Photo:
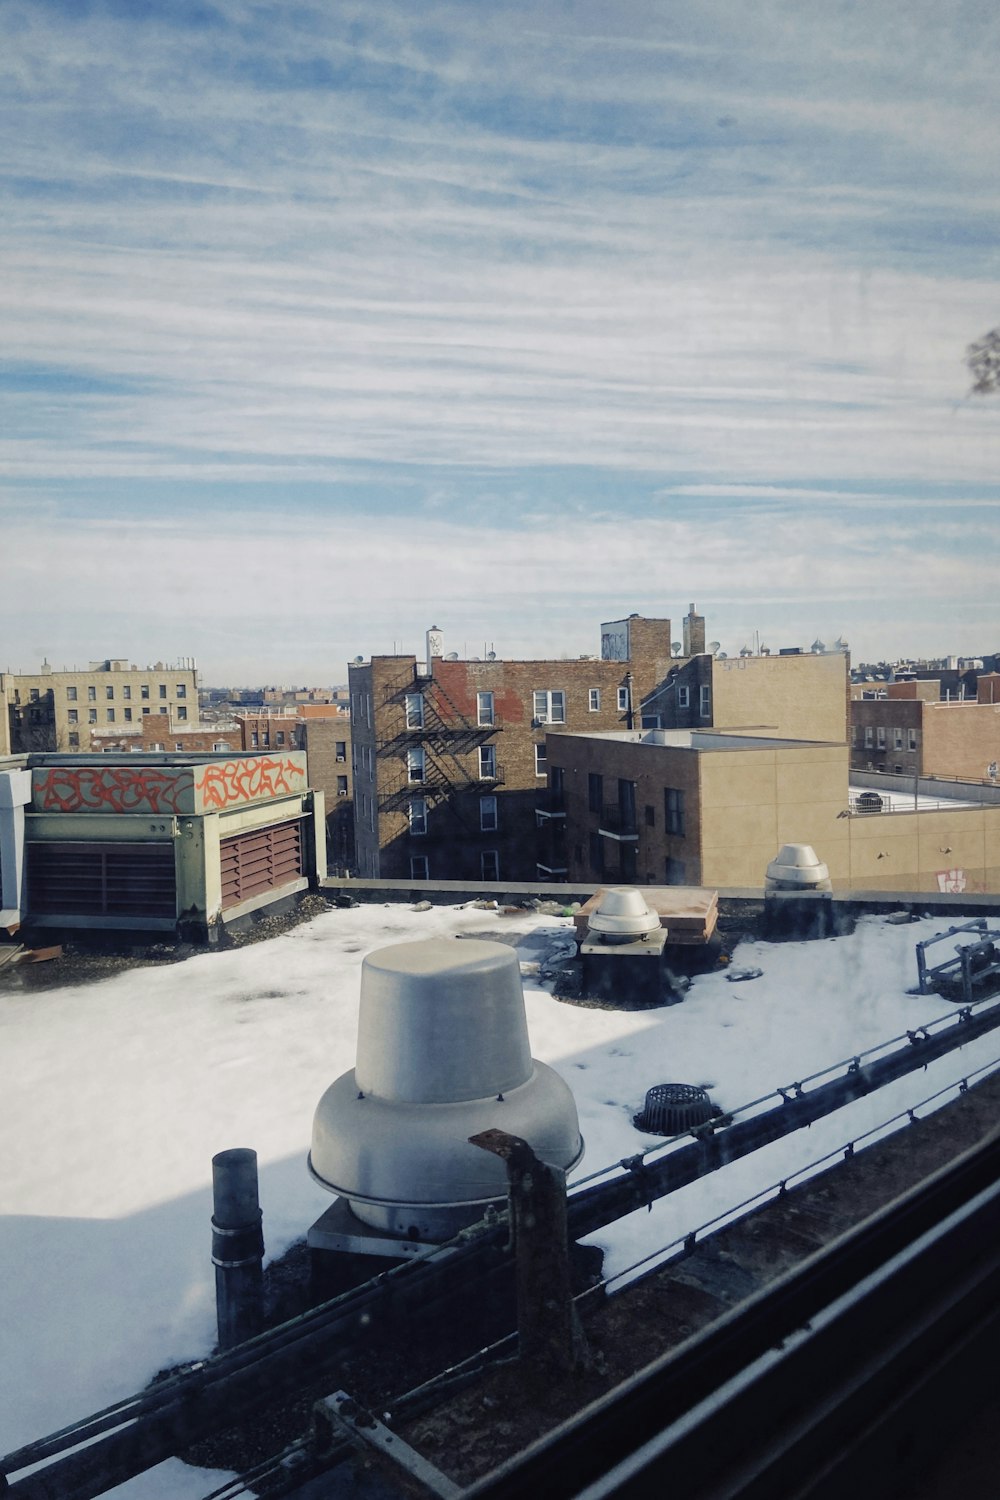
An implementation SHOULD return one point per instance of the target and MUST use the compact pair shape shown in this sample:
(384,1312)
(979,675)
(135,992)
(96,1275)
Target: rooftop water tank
(443,1054)
(796,868)
(622,917)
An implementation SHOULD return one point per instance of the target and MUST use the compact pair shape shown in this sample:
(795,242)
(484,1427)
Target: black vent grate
(673,1108)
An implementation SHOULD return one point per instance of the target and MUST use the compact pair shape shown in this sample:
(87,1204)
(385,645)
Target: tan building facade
(713,809)
(51,710)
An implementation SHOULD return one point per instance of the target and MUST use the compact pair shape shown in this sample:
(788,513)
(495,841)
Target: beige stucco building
(708,808)
(50,710)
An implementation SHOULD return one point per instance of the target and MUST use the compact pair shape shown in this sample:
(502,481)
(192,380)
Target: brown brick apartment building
(911,732)
(450,756)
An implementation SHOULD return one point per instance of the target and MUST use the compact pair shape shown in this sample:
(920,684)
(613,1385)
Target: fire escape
(427,752)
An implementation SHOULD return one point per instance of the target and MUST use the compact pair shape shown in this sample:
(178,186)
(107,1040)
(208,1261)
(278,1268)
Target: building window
(484,709)
(73,716)
(911,739)
(163,689)
(178,745)
(897,739)
(91,715)
(487,763)
(111,716)
(182,713)
(144,690)
(674,871)
(74,741)
(623,700)
(417,814)
(706,701)
(415,764)
(869,737)
(341,749)
(254,738)
(488,814)
(341,786)
(854,735)
(414,710)
(596,852)
(33,695)
(182,691)
(126,692)
(673,810)
(650,816)
(541,760)
(221,745)
(128,716)
(549,708)
(71,694)
(419,867)
(489,865)
(594,700)
(109,692)
(683,697)
(156,747)
(145,710)
(91,694)
(880,737)
(595,792)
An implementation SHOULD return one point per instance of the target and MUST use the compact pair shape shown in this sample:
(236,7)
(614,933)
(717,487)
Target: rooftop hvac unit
(443,1054)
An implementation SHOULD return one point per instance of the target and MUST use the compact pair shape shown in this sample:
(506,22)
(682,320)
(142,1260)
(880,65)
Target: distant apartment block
(908,730)
(65,710)
(451,756)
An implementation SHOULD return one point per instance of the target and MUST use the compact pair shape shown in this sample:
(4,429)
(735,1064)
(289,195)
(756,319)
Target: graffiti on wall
(247,780)
(112,789)
(951,882)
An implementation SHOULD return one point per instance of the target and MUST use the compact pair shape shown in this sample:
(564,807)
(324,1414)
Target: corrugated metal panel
(259,861)
(98,879)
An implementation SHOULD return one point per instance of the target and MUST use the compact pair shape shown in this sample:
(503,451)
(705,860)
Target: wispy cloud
(704,267)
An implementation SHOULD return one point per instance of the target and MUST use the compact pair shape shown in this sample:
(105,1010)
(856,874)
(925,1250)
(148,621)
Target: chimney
(435,647)
(694,633)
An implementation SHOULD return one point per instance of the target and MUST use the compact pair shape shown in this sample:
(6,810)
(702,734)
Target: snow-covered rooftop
(117,1094)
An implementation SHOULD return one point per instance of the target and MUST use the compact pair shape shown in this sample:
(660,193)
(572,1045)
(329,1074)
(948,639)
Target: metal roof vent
(443,1054)
(673,1108)
(796,868)
(622,917)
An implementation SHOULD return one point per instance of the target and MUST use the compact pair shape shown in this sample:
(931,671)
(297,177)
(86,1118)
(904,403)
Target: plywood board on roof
(688,912)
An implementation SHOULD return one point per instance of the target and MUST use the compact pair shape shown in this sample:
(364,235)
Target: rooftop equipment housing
(443,1054)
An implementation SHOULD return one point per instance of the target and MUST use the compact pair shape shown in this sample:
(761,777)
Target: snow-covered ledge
(15,794)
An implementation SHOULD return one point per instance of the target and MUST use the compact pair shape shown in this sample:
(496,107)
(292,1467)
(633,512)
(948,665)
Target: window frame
(543,710)
(486,824)
(417,820)
(485,711)
(594,700)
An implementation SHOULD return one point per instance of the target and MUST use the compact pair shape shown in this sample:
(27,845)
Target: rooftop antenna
(713,647)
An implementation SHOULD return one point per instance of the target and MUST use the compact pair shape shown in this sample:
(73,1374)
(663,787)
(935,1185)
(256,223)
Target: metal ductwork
(443,1054)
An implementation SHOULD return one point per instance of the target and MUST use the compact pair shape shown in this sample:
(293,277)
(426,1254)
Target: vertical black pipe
(237,1246)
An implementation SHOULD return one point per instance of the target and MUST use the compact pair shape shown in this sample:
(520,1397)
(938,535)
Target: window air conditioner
(541,718)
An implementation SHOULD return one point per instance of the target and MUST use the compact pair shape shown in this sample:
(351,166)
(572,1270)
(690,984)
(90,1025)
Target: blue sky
(325,324)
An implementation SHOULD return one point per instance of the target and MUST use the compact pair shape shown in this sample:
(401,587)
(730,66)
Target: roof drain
(673,1108)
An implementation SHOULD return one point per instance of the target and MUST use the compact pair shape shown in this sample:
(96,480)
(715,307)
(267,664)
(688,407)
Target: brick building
(51,710)
(450,763)
(449,755)
(909,731)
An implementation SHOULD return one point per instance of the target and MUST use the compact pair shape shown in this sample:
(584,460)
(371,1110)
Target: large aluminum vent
(442,1054)
(622,917)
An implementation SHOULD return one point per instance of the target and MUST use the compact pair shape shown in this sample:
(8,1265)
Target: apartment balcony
(549,804)
(619,823)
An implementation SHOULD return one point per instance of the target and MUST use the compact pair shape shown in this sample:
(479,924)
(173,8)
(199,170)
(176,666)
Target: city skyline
(323,328)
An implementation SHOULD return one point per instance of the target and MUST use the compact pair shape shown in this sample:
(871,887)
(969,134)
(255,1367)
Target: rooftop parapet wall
(214,785)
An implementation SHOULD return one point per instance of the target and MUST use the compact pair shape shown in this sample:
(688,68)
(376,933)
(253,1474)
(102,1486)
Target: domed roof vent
(797,868)
(622,917)
(443,1054)
(673,1108)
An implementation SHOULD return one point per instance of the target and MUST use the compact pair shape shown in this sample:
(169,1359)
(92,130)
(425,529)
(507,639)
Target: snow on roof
(117,1094)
